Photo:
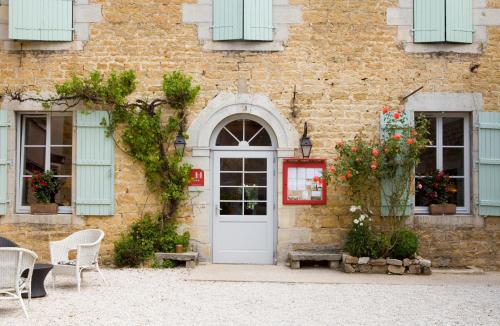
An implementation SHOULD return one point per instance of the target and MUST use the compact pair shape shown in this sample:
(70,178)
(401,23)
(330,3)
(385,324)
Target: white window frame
(20,143)
(461,210)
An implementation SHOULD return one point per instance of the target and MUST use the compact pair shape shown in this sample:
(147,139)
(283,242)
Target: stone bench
(333,257)
(191,258)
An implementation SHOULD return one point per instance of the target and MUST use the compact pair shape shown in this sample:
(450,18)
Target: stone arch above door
(225,105)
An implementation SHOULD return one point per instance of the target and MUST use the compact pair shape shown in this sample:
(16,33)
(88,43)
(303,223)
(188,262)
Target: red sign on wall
(197,178)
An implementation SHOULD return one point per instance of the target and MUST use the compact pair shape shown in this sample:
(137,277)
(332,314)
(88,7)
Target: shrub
(147,236)
(380,246)
(404,243)
(359,241)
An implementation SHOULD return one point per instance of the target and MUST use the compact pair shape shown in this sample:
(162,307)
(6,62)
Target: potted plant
(45,187)
(436,189)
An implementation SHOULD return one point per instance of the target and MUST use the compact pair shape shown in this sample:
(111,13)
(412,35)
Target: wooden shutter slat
(227,20)
(258,20)
(459,26)
(94,166)
(4,125)
(429,21)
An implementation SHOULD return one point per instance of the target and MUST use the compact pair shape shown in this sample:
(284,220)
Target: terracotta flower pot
(44,209)
(179,249)
(443,209)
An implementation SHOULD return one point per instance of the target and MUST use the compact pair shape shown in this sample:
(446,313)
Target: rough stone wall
(345,63)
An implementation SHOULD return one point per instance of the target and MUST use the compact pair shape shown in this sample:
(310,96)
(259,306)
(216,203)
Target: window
(35,20)
(442,21)
(243,133)
(449,151)
(45,142)
(249,20)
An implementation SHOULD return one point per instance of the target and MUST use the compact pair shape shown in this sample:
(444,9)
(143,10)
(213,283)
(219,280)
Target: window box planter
(44,209)
(443,209)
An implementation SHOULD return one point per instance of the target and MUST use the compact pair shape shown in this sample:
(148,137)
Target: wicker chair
(87,244)
(13,261)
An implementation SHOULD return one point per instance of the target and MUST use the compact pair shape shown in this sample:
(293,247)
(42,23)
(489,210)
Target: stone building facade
(332,64)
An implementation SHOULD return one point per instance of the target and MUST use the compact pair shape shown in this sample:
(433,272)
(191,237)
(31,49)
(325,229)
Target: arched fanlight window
(243,133)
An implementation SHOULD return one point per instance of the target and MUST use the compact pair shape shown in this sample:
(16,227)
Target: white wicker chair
(87,244)
(13,261)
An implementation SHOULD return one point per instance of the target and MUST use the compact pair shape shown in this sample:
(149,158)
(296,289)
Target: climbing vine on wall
(146,127)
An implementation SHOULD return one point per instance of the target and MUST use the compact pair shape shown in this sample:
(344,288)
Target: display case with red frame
(303,182)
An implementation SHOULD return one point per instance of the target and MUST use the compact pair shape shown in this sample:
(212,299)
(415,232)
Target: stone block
(378,269)
(347,259)
(414,269)
(424,262)
(399,270)
(407,262)
(363,260)
(295,264)
(426,270)
(394,262)
(349,268)
(378,262)
(364,268)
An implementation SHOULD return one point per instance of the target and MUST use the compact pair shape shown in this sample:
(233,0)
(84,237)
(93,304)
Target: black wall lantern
(180,143)
(305,143)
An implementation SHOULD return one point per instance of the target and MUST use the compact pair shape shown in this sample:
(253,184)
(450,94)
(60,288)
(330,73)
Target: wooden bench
(333,257)
(191,258)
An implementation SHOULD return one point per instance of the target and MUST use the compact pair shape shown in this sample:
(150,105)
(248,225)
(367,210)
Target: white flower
(361,224)
(362,217)
(352,209)
(356,221)
(370,219)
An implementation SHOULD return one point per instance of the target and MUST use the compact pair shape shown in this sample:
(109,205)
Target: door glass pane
(255,208)
(231,179)
(255,193)
(420,194)
(262,139)
(35,133)
(28,195)
(225,139)
(232,193)
(231,208)
(256,164)
(427,162)
(34,160)
(61,130)
(251,128)
(255,179)
(456,192)
(61,160)
(231,164)
(236,128)
(453,161)
(432,129)
(63,197)
(453,131)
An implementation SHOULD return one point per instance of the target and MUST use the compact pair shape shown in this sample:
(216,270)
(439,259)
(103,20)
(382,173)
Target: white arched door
(244,201)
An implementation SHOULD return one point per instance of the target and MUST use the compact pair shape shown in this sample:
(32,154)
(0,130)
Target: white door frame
(272,190)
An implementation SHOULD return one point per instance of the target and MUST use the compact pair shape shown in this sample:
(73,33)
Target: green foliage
(45,186)
(147,236)
(404,243)
(380,246)
(167,263)
(359,241)
(178,90)
(436,188)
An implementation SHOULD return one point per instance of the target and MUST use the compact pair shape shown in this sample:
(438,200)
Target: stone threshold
(468,270)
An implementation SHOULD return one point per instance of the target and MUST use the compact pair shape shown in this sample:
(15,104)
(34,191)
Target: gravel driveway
(165,297)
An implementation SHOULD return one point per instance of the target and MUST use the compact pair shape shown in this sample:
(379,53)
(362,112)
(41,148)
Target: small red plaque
(197,178)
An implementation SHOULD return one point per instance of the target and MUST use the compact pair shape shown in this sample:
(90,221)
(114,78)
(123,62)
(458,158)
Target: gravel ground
(165,297)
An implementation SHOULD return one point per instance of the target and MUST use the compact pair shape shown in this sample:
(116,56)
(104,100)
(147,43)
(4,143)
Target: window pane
(251,128)
(231,164)
(420,196)
(453,161)
(225,139)
(231,208)
(34,160)
(255,179)
(457,190)
(63,197)
(230,193)
(35,133)
(453,131)
(231,179)
(236,128)
(255,208)
(427,162)
(256,164)
(255,193)
(28,196)
(61,160)
(262,139)
(432,129)
(61,130)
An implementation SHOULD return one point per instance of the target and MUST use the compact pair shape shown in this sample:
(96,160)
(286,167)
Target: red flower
(374,166)
(354,149)
(409,141)
(414,133)
(333,169)
(397,115)
(316,179)
(43,183)
(375,152)
(397,136)
(348,174)
(385,109)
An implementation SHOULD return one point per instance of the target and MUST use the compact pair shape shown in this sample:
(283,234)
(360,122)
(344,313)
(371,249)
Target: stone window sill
(57,219)
(446,220)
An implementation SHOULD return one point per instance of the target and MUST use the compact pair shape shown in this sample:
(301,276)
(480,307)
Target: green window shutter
(41,20)
(428,21)
(258,20)
(4,125)
(489,163)
(459,26)
(95,156)
(388,186)
(227,20)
